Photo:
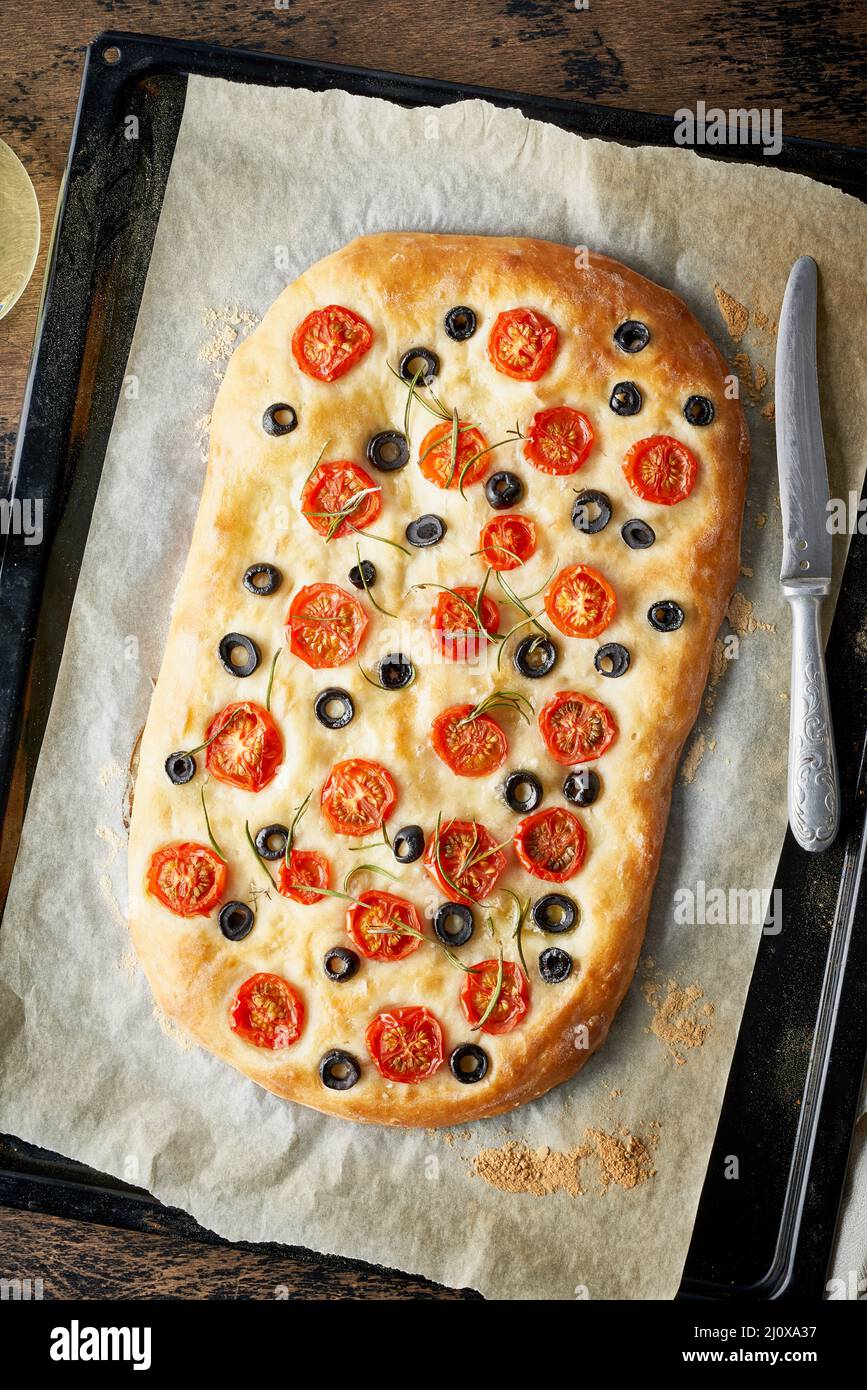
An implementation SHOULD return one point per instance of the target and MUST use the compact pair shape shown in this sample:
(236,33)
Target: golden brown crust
(402,284)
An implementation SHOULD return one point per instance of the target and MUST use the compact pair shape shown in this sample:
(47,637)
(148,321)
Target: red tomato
(187,878)
(358,796)
(558,440)
(267,1012)
(513,1001)
(454,631)
(248,750)
(325,625)
(575,728)
(330,341)
(470,749)
(551,844)
(465,863)
(374,911)
(522,344)
(329,490)
(580,602)
(661,469)
(305,866)
(406,1044)
(507,541)
(435,455)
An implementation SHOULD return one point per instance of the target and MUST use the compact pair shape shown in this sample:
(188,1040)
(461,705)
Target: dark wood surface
(808,59)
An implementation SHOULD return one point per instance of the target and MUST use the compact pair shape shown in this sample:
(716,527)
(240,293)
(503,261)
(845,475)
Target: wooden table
(809,60)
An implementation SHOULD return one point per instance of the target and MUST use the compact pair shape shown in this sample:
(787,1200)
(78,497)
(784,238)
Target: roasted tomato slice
(325,625)
(470,747)
(187,878)
(464,861)
(512,1001)
(374,922)
(455,633)
(406,1044)
(305,866)
(661,469)
(551,844)
(435,455)
(330,341)
(329,491)
(507,541)
(247,749)
(267,1012)
(558,440)
(522,344)
(358,796)
(580,602)
(575,728)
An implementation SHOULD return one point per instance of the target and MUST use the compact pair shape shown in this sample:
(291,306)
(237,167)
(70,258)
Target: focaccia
(470,523)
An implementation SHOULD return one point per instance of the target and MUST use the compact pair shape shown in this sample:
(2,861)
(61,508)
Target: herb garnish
(495,995)
(378,606)
(500,699)
(215,847)
(271,679)
(512,437)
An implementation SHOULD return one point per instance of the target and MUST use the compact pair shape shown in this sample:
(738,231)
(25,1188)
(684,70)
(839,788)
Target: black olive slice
(180,768)
(407,845)
(262,579)
(699,410)
(523,791)
(338,1070)
(419,357)
(460,323)
(582,786)
(469,1063)
(395,671)
(340,964)
(279,419)
(426,530)
(555,912)
(334,708)
(591,512)
(612,660)
(637,534)
(535,656)
(453,924)
(227,649)
(236,921)
(363,576)
(265,840)
(555,965)
(503,490)
(665,616)
(388,451)
(632,336)
(625,398)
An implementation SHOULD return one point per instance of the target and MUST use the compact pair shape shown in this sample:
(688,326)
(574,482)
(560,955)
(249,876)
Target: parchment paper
(264,183)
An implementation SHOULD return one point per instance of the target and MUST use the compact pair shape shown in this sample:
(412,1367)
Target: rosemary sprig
(403,930)
(453,447)
(495,996)
(216,734)
(368,868)
(260,862)
(517,934)
(530,618)
(271,679)
(437,443)
(290,838)
(378,606)
(437,408)
(214,846)
(512,437)
(316,464)
(500,699)
(337,516)
(520,603)
(377,686)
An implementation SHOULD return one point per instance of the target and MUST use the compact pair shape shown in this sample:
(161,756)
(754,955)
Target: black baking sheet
(791,1099)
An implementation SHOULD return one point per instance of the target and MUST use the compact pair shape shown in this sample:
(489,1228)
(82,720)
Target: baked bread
(438,415)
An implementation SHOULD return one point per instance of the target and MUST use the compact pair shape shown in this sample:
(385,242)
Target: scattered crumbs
(761,520)
(769,411)
(128,963)
(753,379)
(171,1030)
(616,1093)
(675,1020)
(746,571)
(718,664)
(759,319)
(111,902)
(202,428)
(110,772)
(517,1168)
(622,1158)
(111,838)
(783,694)
(224,327)
(735,315)
(861,638)
(742,618)
(448,1137)
(694,754)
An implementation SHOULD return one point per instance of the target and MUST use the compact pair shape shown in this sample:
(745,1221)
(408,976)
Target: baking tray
(792,1094)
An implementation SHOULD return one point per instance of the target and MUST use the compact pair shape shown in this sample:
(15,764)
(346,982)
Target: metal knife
(813,784)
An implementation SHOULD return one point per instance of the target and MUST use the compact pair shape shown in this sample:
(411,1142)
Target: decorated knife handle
(813,784)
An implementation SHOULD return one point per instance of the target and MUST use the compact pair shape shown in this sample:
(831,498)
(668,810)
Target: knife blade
(805,575)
